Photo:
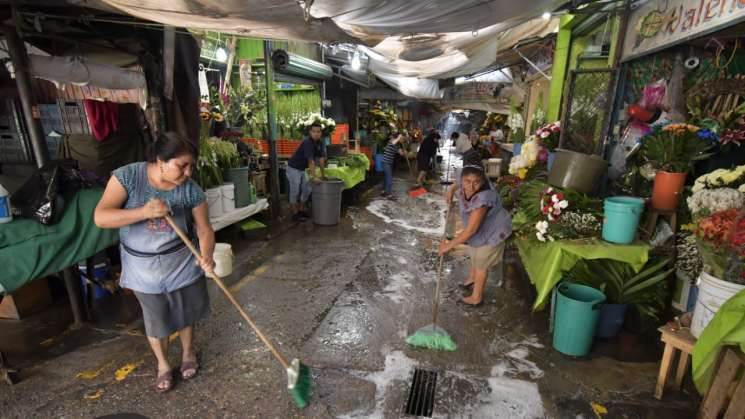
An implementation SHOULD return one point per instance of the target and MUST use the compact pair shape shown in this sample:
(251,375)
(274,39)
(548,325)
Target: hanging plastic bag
(41,197)
(653,95)
(626,147)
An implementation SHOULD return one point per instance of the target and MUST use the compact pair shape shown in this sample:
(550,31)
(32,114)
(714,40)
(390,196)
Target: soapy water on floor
(498,396)
(397,287)
(516,362)
(425,216)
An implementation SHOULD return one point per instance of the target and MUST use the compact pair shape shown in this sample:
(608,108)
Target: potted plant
(672,150)
(623,287)
(718,224)
(208,175)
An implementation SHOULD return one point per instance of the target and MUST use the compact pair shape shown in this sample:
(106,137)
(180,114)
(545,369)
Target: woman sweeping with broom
(167,279)
(487,226)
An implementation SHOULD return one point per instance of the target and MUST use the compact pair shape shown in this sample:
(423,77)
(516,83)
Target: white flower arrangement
(541,228)
(709,201)
(720,178)
(527,158)
(327,124)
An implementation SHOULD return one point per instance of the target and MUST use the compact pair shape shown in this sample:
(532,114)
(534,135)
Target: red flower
(560,196)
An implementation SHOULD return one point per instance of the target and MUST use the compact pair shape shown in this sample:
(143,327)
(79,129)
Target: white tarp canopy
(423,39)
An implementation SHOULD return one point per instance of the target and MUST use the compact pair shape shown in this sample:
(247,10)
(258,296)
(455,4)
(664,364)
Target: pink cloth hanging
(103,118)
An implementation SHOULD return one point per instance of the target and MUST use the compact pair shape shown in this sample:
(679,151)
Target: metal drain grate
(422,394)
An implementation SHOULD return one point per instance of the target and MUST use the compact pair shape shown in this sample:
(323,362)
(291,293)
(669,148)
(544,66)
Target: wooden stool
(654,215)
(726,393)
(10,375)
(680,340)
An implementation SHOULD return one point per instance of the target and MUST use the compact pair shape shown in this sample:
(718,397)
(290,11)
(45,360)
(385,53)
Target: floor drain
(422,394)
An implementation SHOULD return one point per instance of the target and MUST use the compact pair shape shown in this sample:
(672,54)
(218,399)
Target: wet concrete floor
(342,299)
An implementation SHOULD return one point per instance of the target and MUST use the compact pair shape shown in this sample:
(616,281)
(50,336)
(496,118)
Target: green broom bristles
(298,383)
(432,337)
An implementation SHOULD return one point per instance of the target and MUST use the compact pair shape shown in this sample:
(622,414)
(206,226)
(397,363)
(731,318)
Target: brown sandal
(164,378)
(189,366)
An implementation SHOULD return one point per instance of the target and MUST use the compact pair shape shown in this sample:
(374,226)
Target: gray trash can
(327,201)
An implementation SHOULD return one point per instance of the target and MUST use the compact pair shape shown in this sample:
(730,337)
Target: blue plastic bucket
(378,162)
(100,271)
(551,158)
(611,320)
(622,214)
(576,318)
(516,148)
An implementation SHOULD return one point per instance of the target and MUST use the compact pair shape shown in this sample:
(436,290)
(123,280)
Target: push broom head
(417,192)
(432,337)
(298,382)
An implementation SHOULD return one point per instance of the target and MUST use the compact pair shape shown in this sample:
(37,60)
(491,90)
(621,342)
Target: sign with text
(661,23)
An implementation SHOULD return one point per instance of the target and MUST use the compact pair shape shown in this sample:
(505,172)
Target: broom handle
(436,298)
(282,360)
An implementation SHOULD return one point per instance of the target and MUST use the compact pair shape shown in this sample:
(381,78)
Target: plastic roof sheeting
(371,20)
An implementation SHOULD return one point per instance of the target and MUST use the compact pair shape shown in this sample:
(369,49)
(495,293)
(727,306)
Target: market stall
(31,250)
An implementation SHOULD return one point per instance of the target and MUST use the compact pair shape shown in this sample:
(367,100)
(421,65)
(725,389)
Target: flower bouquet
(528,157)
(549,135)
(327,124)
(550,213)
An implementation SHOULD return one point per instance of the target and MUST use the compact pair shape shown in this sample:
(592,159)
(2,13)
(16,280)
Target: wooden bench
(727,392)
(676,341)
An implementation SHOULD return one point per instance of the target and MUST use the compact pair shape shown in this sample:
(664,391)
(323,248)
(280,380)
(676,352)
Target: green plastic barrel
(239,177)
(576,318)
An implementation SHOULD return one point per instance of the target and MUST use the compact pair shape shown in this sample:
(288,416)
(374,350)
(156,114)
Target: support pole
(72,285)
(272,127)
(19,57)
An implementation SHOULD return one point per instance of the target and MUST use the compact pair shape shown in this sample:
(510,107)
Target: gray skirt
(170,312)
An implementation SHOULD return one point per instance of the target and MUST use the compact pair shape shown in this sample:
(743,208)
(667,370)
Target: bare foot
(471,300)
(189,366)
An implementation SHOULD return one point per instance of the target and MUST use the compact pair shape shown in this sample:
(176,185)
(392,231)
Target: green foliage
(617,280)
(674,148)
(208,173)
(227,154)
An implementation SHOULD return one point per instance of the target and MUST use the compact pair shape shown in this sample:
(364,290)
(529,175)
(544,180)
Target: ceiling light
(221,55)
(546,16)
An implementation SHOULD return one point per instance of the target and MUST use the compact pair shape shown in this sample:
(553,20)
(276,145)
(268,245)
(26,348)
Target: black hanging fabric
(183,110)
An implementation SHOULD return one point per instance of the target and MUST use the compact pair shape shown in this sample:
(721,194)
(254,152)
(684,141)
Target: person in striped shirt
(389,158)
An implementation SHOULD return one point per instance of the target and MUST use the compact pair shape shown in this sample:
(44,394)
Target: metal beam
(19,57)
(271,115)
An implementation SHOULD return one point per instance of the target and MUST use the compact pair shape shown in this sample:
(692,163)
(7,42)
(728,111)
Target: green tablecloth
(29,250)
(545,262)
(726,328)
(350,175)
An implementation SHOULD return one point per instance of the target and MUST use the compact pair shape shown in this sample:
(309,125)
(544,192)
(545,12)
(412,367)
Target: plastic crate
(74,119)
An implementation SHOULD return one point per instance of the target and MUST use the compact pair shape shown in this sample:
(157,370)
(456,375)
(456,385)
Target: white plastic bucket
(214,202)
(712,293)
(228,197)
(223,257)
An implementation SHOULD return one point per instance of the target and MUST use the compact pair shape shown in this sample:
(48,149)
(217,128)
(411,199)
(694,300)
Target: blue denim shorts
(299,185)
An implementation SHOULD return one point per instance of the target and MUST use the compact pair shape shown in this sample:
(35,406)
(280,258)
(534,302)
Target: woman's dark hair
(315,124)
(169,145)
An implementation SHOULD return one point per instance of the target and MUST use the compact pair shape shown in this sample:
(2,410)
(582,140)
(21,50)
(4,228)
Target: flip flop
(466,286)
(187,366)
(164,378)
(465,304)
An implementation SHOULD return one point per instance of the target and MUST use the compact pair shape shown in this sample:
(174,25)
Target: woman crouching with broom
(487,226)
